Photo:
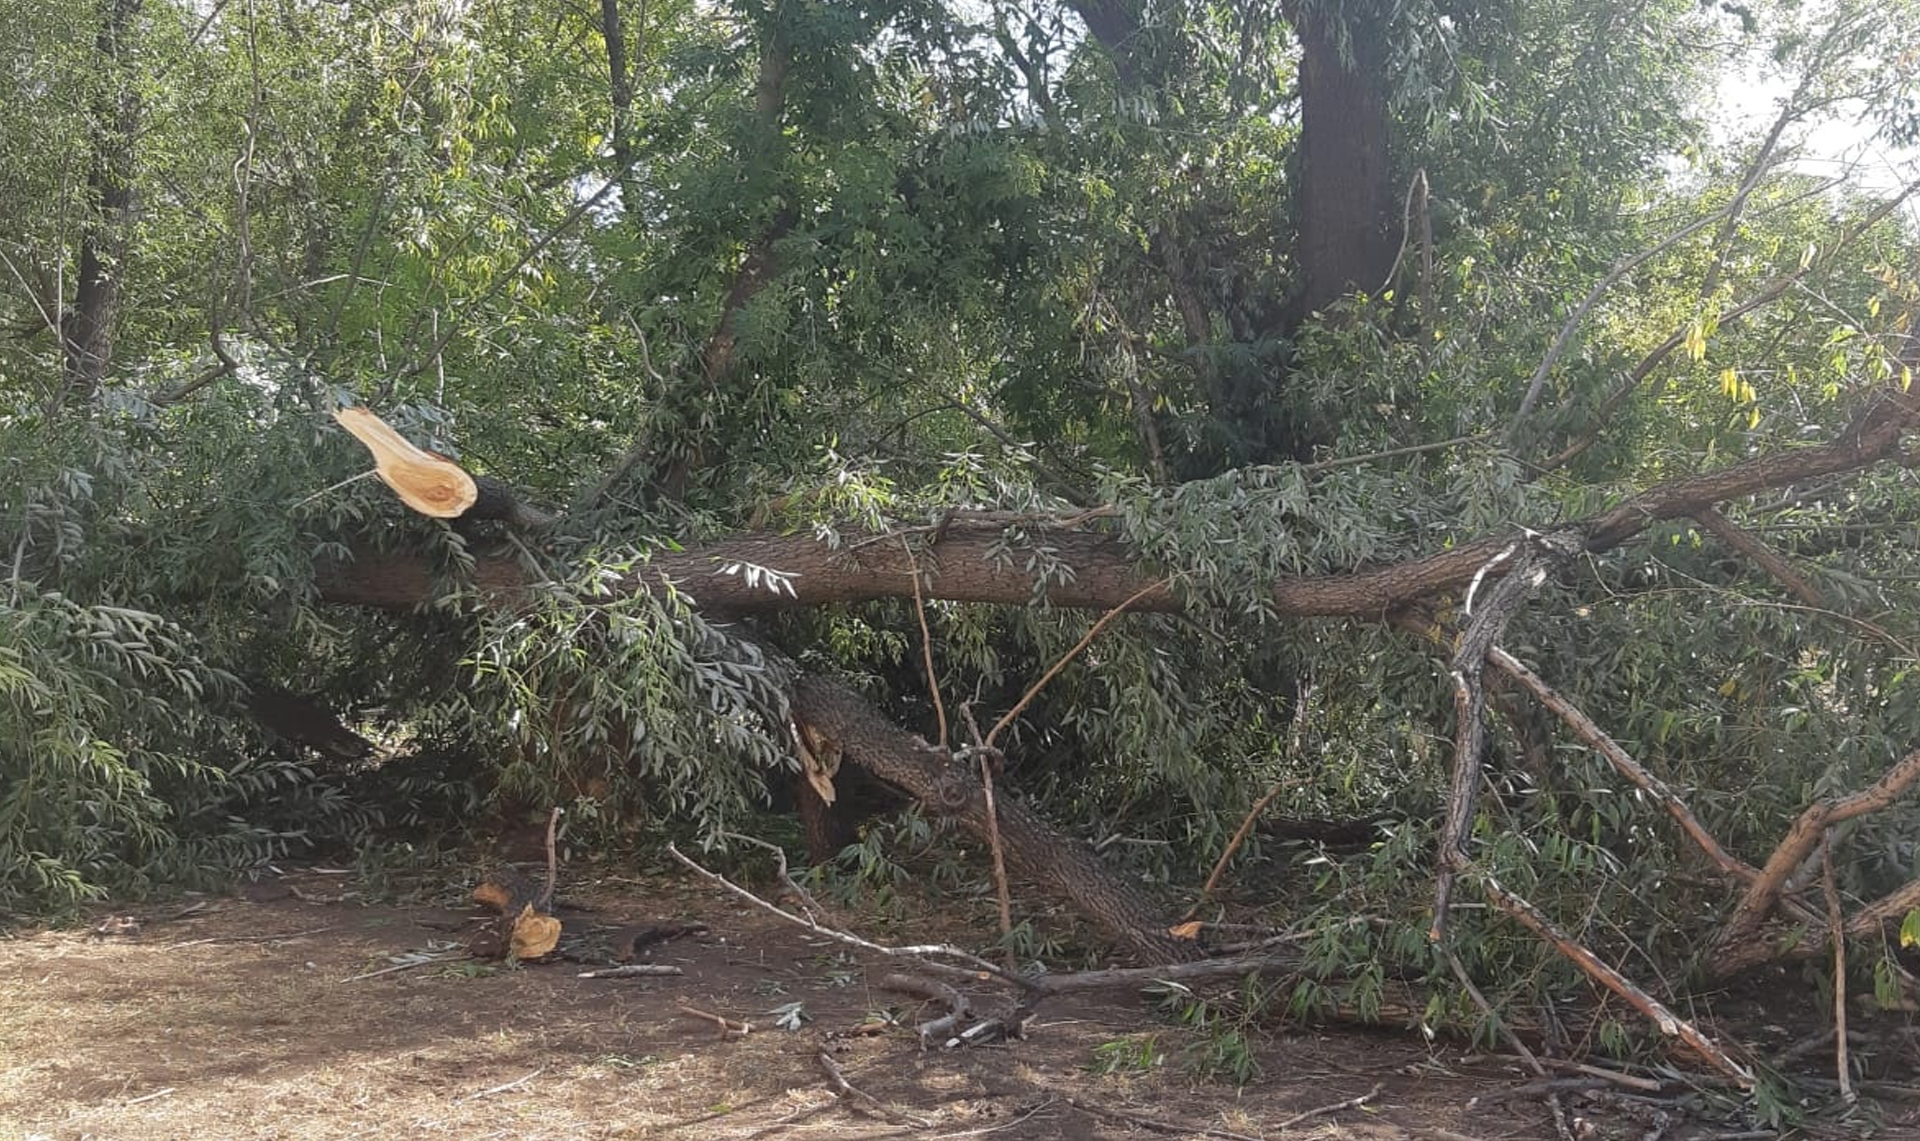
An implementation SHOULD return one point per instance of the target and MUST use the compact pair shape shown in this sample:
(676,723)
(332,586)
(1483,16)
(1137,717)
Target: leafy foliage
(845,265)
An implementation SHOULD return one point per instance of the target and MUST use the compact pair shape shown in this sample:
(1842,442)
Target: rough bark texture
(1346,225)
(1034,850)
(970,560)
(87,327)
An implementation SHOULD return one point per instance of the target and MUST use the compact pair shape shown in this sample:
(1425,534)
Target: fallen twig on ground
(250,938)
(415,960)
(975,967)
(1322,1111)
(865,1101)
(1155,1123)
(728,1028)
(631,971)
(503,1087)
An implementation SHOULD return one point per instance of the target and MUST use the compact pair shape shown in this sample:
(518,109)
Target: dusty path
(239,1022)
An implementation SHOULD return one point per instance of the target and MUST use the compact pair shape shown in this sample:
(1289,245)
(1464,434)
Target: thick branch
(971,560)
(1597,740)
(1769,560)
(1733,949)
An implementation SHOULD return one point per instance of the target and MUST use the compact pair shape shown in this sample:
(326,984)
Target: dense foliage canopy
(1266,292)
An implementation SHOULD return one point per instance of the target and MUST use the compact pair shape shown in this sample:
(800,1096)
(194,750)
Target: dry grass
(237,1022)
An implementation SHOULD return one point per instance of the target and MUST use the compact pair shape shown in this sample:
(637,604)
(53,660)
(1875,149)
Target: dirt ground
(258,1016)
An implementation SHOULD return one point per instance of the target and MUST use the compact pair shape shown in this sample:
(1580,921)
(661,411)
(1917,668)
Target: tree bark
(1346,232)
(970,560)
(1034,850)
(86,328)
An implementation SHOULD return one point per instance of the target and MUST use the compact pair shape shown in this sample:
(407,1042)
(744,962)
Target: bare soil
(245,1019)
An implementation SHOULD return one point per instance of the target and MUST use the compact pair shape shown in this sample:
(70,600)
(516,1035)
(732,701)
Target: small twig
(249,938)
(974,968)
(1500,1024)
(154,1096)
(352,479)
(408,966)
(631,971)
(1033,691)
(1620,269)
(1350,1103)
(505,1086)
(1239,838)
(926,642)
(1837,931)
(864,1100)
(1155,1123)
(728,1028)
(545,902)
(1002,889)
(1539,1088)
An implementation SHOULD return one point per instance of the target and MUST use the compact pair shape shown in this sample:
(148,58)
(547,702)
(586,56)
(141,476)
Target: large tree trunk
(1034,849)
(86,328)
(969,561)
(1347,233)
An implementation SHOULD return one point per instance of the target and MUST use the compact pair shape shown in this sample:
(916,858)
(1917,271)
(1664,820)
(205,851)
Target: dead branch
(975,969)
(990,758)
(631,971)
(1597,739)
(1003,892)
(1670,1024)
(865,1101)
(1530,560)
(931,990)
(1537,1089)
(1769,560)
(1200,970)
(1836,931)
(727,1027)
(545,902)
(1336,1107)
(1893,905)
(1735,948)
(1053,671)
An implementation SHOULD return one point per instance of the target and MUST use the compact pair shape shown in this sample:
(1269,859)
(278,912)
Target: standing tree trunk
(1346,234)
(86,328)
(757,267)
(620,94)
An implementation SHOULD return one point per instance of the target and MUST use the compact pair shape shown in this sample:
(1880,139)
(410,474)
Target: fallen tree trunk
(968,560)
(1034,849)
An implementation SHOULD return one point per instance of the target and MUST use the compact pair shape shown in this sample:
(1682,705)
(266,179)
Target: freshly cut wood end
(430,484)
(534,935)
(492,894)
